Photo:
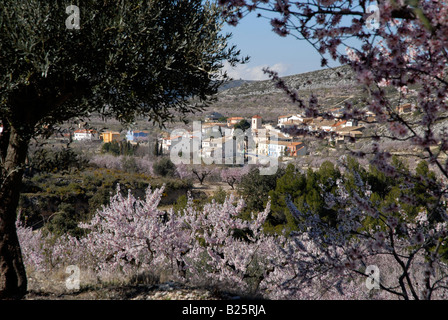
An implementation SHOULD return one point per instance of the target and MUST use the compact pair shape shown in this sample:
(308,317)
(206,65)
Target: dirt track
(210,188)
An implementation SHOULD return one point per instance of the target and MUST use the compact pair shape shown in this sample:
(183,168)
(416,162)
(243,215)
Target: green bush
(254,188)
(181,203)
(65,221)
(58,201)
(119,148)
(219,196)
(164,167)
(129,164)
(50,161)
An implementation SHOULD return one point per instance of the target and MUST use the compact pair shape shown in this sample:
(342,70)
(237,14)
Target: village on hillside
(225,139)
(217,136)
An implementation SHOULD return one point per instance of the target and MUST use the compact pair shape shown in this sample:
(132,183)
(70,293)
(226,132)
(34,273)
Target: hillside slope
(320,79)
(331,86)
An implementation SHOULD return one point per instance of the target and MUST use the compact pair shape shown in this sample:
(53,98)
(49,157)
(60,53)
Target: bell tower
(256,122)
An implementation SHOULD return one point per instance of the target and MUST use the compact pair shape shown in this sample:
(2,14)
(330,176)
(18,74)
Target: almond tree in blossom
(201,171)
(213,247)
(407,52)
(182,171)
(233,175)
(407,248)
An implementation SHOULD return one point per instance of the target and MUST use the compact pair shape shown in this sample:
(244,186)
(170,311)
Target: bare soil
(53,286)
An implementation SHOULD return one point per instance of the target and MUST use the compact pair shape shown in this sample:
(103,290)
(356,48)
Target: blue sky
(255,38)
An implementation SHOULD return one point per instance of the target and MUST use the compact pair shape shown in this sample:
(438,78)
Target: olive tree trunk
(13,281)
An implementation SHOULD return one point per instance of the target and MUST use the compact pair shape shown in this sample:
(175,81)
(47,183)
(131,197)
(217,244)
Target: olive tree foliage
(126,59)
(141,58)
(398,53)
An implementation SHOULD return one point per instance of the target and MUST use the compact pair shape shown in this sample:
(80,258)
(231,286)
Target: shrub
(164,167)
(119,148)
(66,220)
(63,160)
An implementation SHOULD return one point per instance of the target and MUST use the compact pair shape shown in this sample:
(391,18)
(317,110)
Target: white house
(321,124)
(212,129)
(277,148)
(290,118)
(351,123)
(263,147)
(336,112)
(84,135)
(223,149)
(327,125)
(169,142)
(185,146)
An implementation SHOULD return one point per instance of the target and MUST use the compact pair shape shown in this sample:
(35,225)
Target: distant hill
(234,84)
(326,78)
(247,98)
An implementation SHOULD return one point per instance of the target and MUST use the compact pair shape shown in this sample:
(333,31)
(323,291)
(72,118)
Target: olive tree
(61,60)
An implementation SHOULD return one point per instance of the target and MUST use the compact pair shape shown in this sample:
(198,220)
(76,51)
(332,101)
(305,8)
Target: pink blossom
(366,77)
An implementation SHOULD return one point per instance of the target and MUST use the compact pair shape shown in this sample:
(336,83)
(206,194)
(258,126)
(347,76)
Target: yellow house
(110,136)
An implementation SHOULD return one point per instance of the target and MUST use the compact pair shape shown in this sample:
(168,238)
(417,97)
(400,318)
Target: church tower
(256,122)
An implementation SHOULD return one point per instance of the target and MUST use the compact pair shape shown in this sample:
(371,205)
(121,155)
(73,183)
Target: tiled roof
(84,131)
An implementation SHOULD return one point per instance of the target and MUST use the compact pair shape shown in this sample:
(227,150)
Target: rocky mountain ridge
(243,98)
(319,79)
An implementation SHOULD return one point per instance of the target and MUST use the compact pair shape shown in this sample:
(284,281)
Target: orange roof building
(233,120)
